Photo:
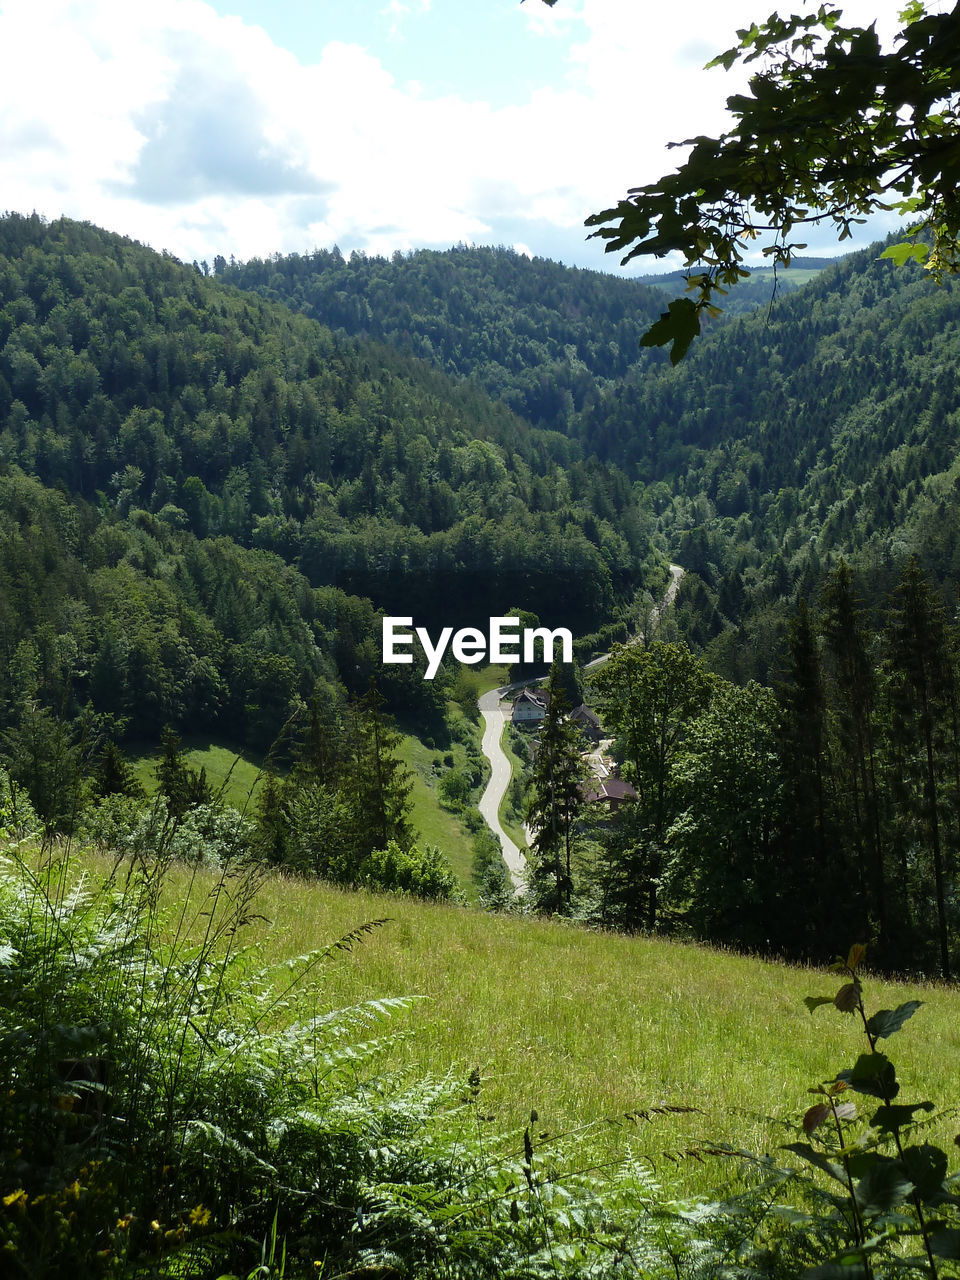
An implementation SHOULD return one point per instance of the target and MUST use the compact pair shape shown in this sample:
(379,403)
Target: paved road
(656,613)
(495,714)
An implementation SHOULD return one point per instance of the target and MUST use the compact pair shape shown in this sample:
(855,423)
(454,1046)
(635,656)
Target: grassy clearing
(238,775)
(491,677)
(588,1027)
(435,824)
(511,821)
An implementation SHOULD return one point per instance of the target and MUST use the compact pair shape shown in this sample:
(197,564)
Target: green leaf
(873,1074)
(818,1160)
(885,1184)
(905,252)
(679,324)
(890,1119)
(927,1167)
(946,1243)
(886,1021)
(814,1002)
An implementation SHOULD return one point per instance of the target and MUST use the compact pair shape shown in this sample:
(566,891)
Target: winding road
(495,716)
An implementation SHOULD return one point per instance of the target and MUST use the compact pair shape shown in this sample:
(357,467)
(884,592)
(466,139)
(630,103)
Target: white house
(529,707)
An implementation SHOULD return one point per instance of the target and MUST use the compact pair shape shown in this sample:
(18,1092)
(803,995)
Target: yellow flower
(199,1217)
(15,1198)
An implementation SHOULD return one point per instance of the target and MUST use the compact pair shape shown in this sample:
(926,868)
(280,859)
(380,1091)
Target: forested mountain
(828,425)
(541,337)
(763,286)
(197,484)
(820,423)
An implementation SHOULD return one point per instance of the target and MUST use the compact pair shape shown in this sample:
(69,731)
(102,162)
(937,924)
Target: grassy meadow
(236,776)
(589,1027)
(436,824)
(510,820)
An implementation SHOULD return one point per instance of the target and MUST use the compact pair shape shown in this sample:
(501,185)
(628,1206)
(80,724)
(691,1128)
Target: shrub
(424,873)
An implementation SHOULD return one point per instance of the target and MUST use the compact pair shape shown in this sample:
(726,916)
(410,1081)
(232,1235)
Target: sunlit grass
(435,824)
(491,677)
(237,777)
(511,821)
(590,1027)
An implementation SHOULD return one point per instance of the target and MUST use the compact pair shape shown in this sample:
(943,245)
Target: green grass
(437,825)
(492,677)
(238,775)
(587,1026)
(510,822)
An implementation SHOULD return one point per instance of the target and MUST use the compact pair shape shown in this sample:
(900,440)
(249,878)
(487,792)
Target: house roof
(611,789)
(584,713)
(617,789)
(525,695)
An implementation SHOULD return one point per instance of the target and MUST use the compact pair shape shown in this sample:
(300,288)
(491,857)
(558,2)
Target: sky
(249,128)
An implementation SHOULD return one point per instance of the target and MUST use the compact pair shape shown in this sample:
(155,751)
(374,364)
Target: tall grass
(178,1095)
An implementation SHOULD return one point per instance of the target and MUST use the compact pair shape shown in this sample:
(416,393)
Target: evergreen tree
(557,782)
(114,774)
(377,783)
(183,786)
(852,699)
(816,892)
(921,683)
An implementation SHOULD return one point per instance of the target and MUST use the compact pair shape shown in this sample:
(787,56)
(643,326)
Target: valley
(225,498)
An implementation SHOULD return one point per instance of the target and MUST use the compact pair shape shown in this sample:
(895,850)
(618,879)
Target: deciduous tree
(833,127)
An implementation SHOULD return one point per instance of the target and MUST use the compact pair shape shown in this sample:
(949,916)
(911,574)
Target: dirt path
(495,715)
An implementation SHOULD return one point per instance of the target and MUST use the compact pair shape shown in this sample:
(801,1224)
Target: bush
(424,873)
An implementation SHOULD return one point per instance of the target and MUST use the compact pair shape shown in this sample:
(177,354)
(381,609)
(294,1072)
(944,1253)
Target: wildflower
(199,1216)
(16,1199)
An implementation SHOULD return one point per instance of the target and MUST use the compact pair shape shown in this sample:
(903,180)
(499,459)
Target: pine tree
(377,781)
(114,774)
(556,779)
(183,786)
(815,890)
(922,691)
(852,697)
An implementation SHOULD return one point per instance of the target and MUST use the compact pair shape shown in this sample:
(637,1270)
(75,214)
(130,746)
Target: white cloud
(197,133)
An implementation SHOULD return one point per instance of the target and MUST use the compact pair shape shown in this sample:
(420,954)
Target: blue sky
(242,127)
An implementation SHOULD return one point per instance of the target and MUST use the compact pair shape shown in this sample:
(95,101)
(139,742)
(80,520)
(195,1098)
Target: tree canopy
(833,127)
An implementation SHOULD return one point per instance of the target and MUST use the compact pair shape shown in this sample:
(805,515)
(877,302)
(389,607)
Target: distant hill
(764,285)
(201,492)
(829,425)
(539,336)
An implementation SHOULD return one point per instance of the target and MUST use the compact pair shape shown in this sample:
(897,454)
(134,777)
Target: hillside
(538,336)
(805,424)
(175,447)
(827,426)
